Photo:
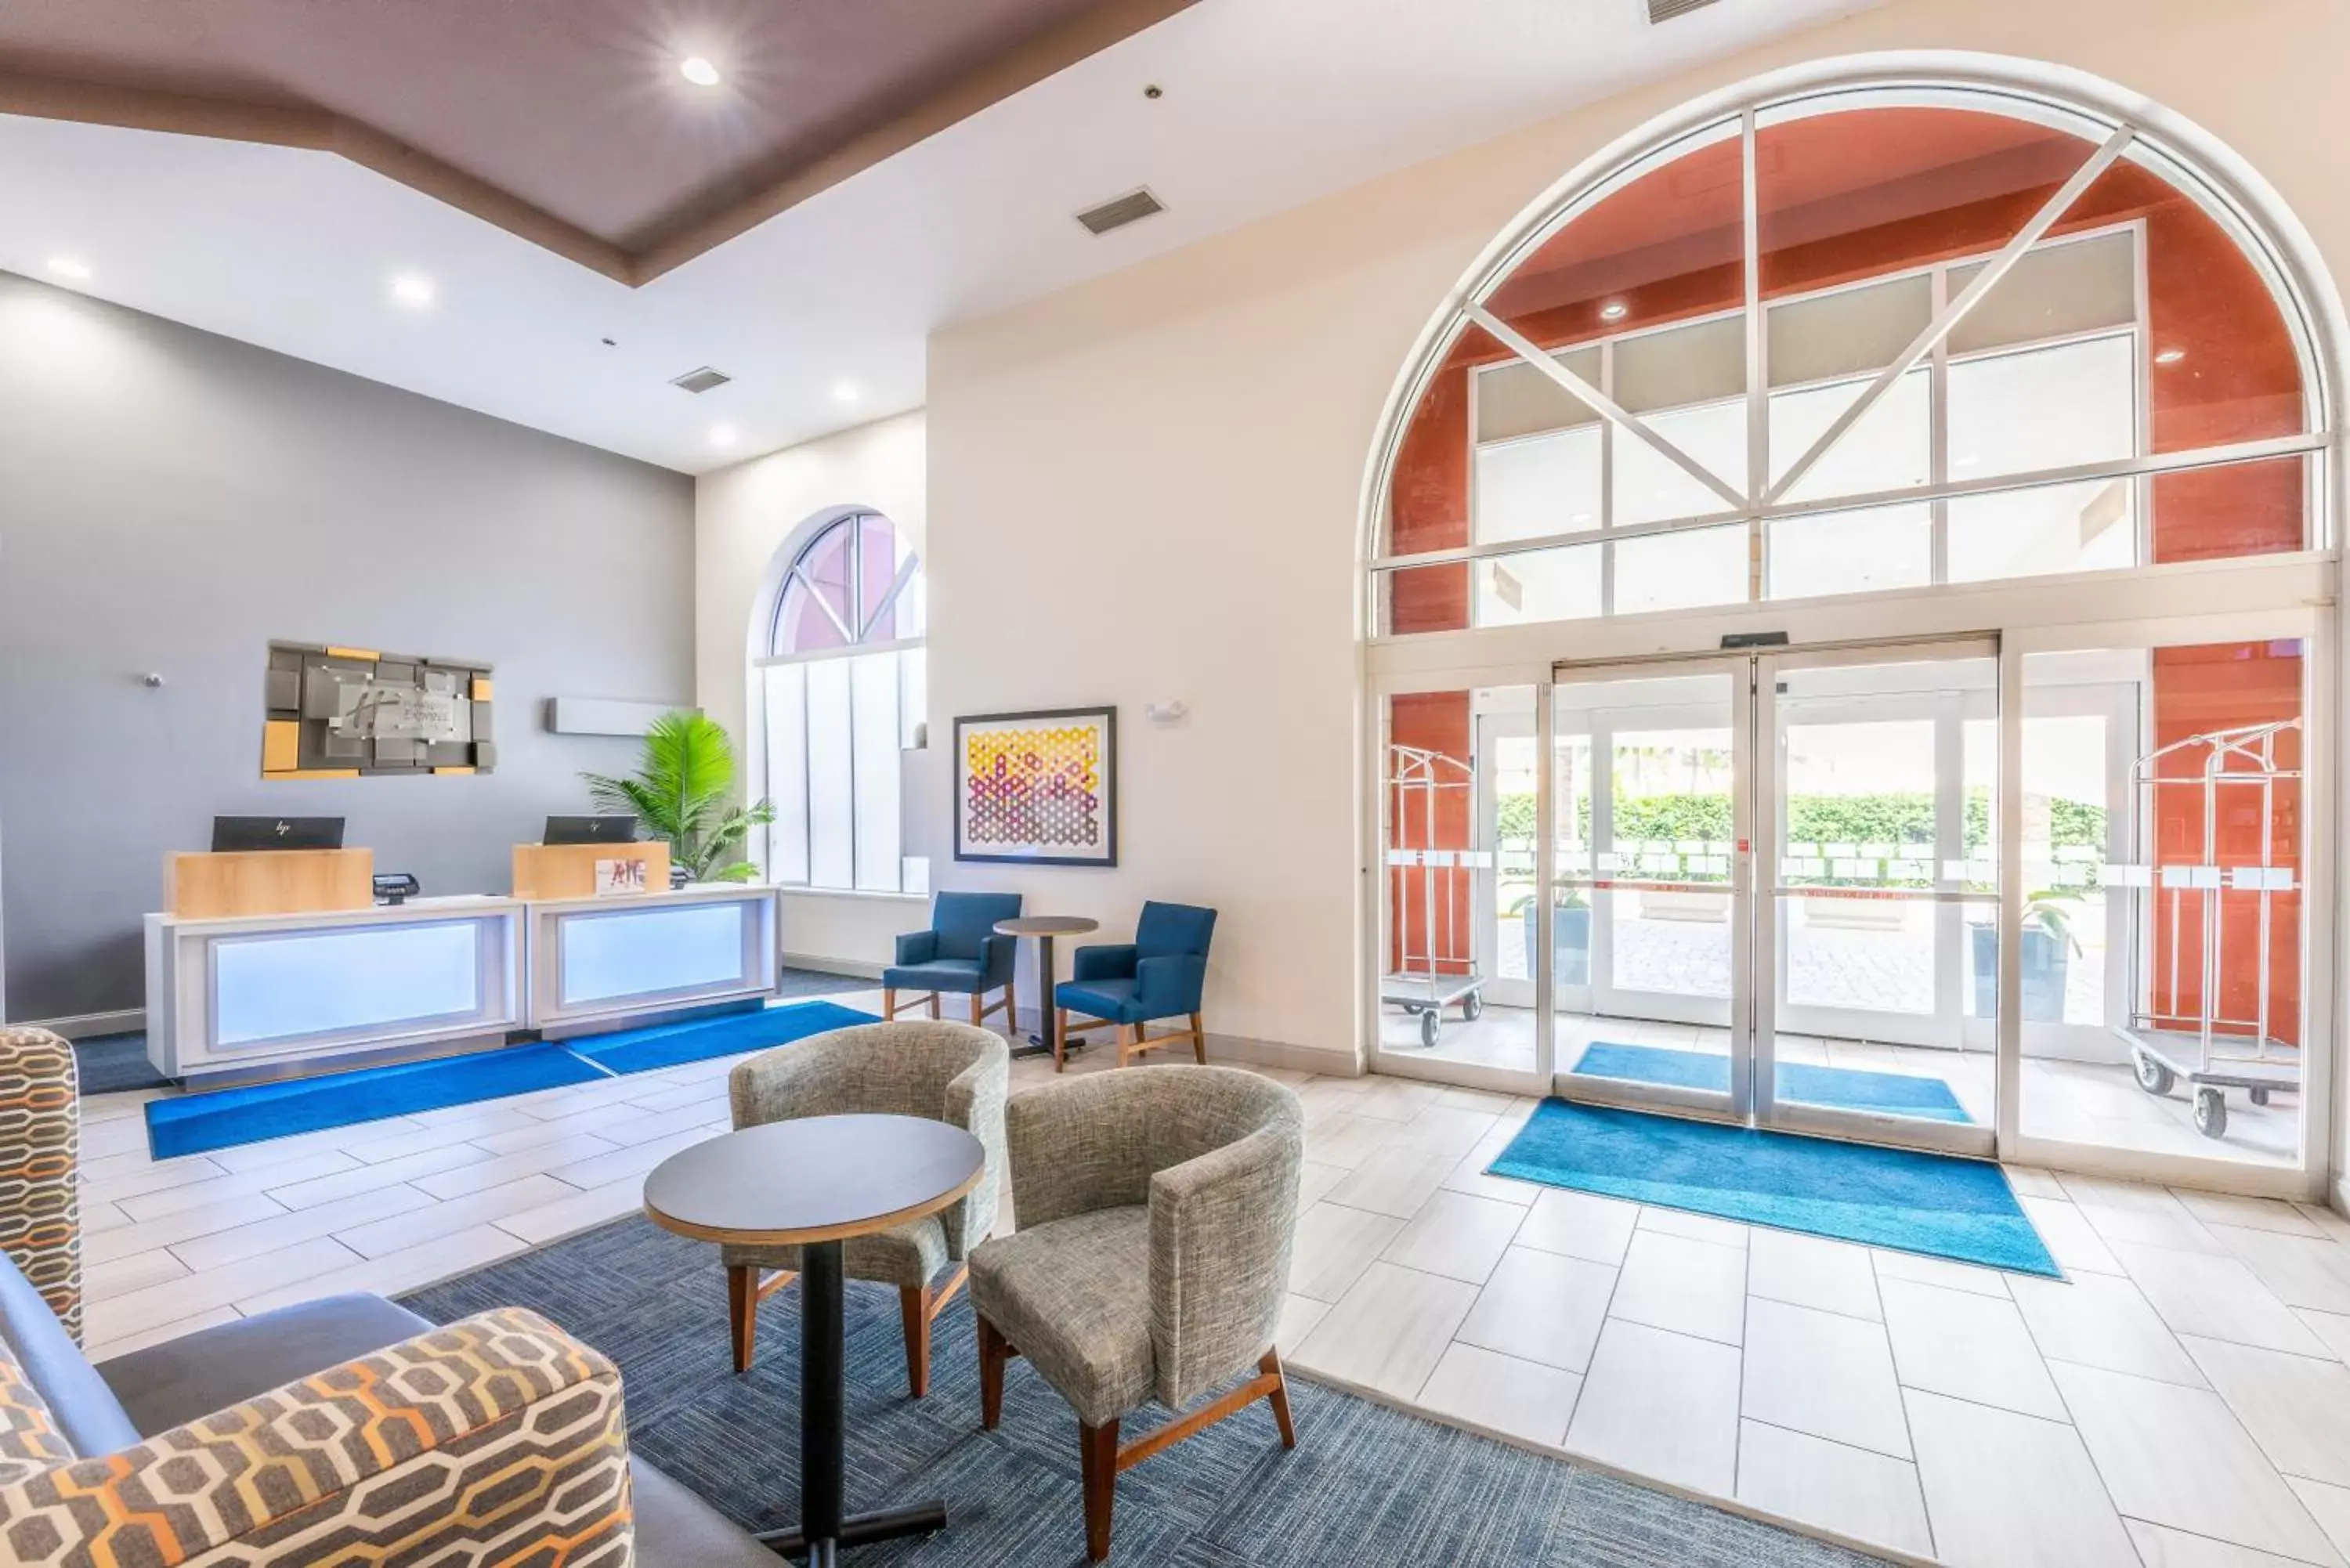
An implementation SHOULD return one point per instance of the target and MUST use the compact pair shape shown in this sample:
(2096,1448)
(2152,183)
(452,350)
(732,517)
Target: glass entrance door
(1775,889)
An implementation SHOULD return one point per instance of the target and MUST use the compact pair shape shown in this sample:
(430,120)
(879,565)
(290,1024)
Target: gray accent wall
(171,501)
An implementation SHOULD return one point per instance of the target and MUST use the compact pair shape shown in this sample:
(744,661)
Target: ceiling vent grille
(1666,10)
(702,380)
(1131,208)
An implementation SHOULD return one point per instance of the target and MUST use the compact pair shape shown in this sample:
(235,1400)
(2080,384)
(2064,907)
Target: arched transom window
(841,681)
(1874,337)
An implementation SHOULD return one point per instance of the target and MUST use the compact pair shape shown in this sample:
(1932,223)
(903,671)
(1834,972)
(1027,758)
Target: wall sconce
(1165,713)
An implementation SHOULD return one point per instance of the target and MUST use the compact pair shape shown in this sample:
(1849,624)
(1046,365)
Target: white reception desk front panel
(273,992)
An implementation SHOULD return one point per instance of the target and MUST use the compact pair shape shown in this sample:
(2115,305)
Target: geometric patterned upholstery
(498,1439)
(29,1439)
(40,1130)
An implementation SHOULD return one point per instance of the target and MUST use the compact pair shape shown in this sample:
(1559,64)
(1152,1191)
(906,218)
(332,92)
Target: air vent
(702,380)
(1131,208)
(1666,10)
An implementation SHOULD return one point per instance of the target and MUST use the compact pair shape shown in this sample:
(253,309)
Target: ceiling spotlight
(413,290)
(844,392)
(698,71)
(67,266)
(722,435)
(2170,357)
(1614,310)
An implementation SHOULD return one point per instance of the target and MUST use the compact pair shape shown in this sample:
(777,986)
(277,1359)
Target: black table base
(823,1529)
(1047,1016)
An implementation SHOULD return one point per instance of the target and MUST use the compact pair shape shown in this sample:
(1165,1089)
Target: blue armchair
(959,953)
(1160,974)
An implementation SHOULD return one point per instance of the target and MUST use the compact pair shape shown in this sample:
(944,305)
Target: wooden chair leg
(1011,1009)
(934,1004)
(743,1310)
(914,1307)
(1129,1039)
(976,1013)
(1198,1040)
(993,1352)
(1061,1039)
(1270,1366)
(889,1004)
(1097,1460)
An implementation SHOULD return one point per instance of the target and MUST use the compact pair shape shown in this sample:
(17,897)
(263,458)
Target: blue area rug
(660,1045)
(1902,1199)
(1367,1486)
(195,1124)
(1847,1088)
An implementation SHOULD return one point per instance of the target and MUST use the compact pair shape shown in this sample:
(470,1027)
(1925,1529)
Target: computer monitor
(615,829)
(232,833)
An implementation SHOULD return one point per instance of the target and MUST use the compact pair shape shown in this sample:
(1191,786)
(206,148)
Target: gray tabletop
(1046,926)
(815,1179)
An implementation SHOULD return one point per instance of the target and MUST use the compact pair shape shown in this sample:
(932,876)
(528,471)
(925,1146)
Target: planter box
(1570,940)
(1709,905)
(1856,914)
(2046,960)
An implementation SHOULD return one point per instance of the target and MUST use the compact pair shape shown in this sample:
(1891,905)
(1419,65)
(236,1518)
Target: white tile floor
(2181,1400)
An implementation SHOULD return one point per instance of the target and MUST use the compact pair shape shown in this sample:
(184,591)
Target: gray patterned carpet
(1368,1487)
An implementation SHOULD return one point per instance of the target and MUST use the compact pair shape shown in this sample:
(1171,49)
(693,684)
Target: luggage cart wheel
(1429,1023)
(2152,1076)
(1472,1005)
(2211,1111)
(2259,1097)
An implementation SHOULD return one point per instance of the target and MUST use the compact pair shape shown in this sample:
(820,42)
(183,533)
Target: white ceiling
(1268,103)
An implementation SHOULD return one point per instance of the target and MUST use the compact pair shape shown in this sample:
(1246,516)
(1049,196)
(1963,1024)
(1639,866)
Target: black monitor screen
(618,829)
(241,833)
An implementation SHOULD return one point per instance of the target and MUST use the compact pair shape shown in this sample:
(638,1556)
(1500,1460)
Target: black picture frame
(1106,717)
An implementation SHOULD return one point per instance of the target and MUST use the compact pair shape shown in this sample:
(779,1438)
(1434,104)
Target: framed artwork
(1037,789)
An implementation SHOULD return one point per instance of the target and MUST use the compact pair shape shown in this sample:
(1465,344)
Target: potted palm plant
(684,792)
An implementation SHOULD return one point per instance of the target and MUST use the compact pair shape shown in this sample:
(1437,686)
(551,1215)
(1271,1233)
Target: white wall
(741,515)
(1148,486)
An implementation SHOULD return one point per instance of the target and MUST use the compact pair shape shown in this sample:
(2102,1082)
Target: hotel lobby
(1622,852)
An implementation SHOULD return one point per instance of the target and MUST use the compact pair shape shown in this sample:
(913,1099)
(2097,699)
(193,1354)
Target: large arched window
(1882,336)
(841,686)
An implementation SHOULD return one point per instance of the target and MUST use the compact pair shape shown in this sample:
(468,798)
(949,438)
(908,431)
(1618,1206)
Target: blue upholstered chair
(1160,974)
(959,953)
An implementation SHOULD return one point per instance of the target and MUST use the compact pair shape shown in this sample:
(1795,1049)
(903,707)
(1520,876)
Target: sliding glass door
(1775,890)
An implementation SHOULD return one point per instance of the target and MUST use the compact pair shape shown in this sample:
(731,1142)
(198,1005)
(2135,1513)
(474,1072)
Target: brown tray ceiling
(564,121)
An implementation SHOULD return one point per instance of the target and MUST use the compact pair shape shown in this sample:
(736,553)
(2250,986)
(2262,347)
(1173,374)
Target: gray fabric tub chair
(1156,1208)
(945,1071)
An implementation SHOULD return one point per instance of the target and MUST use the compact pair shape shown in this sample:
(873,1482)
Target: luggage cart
(1421,983)
(2168,1039)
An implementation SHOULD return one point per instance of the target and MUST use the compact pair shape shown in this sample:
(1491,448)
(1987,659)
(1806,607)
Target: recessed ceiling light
(845,392)
(68,266)
(412,289)
(2170,357)
(722,435)
(698,71)
(1613,310)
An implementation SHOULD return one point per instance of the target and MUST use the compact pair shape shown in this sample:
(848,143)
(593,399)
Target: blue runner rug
(1847,1088)
(198,1123)
(1906,1200)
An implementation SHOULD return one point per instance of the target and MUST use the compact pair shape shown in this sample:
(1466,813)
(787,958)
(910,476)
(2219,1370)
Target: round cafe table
(1047,1041)
(812,1183)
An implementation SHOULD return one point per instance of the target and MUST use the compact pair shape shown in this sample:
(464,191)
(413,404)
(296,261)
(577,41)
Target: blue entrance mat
(1902,1199)
(198,1123)
(1846,1088)
(660,1045)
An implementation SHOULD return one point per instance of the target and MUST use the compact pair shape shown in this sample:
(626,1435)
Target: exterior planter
(1709,905)
(1856,914)
(2046,959)
(1570,940)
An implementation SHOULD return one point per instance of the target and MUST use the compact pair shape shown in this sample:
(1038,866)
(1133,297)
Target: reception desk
(597,964)
(260,995)
(260,992)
